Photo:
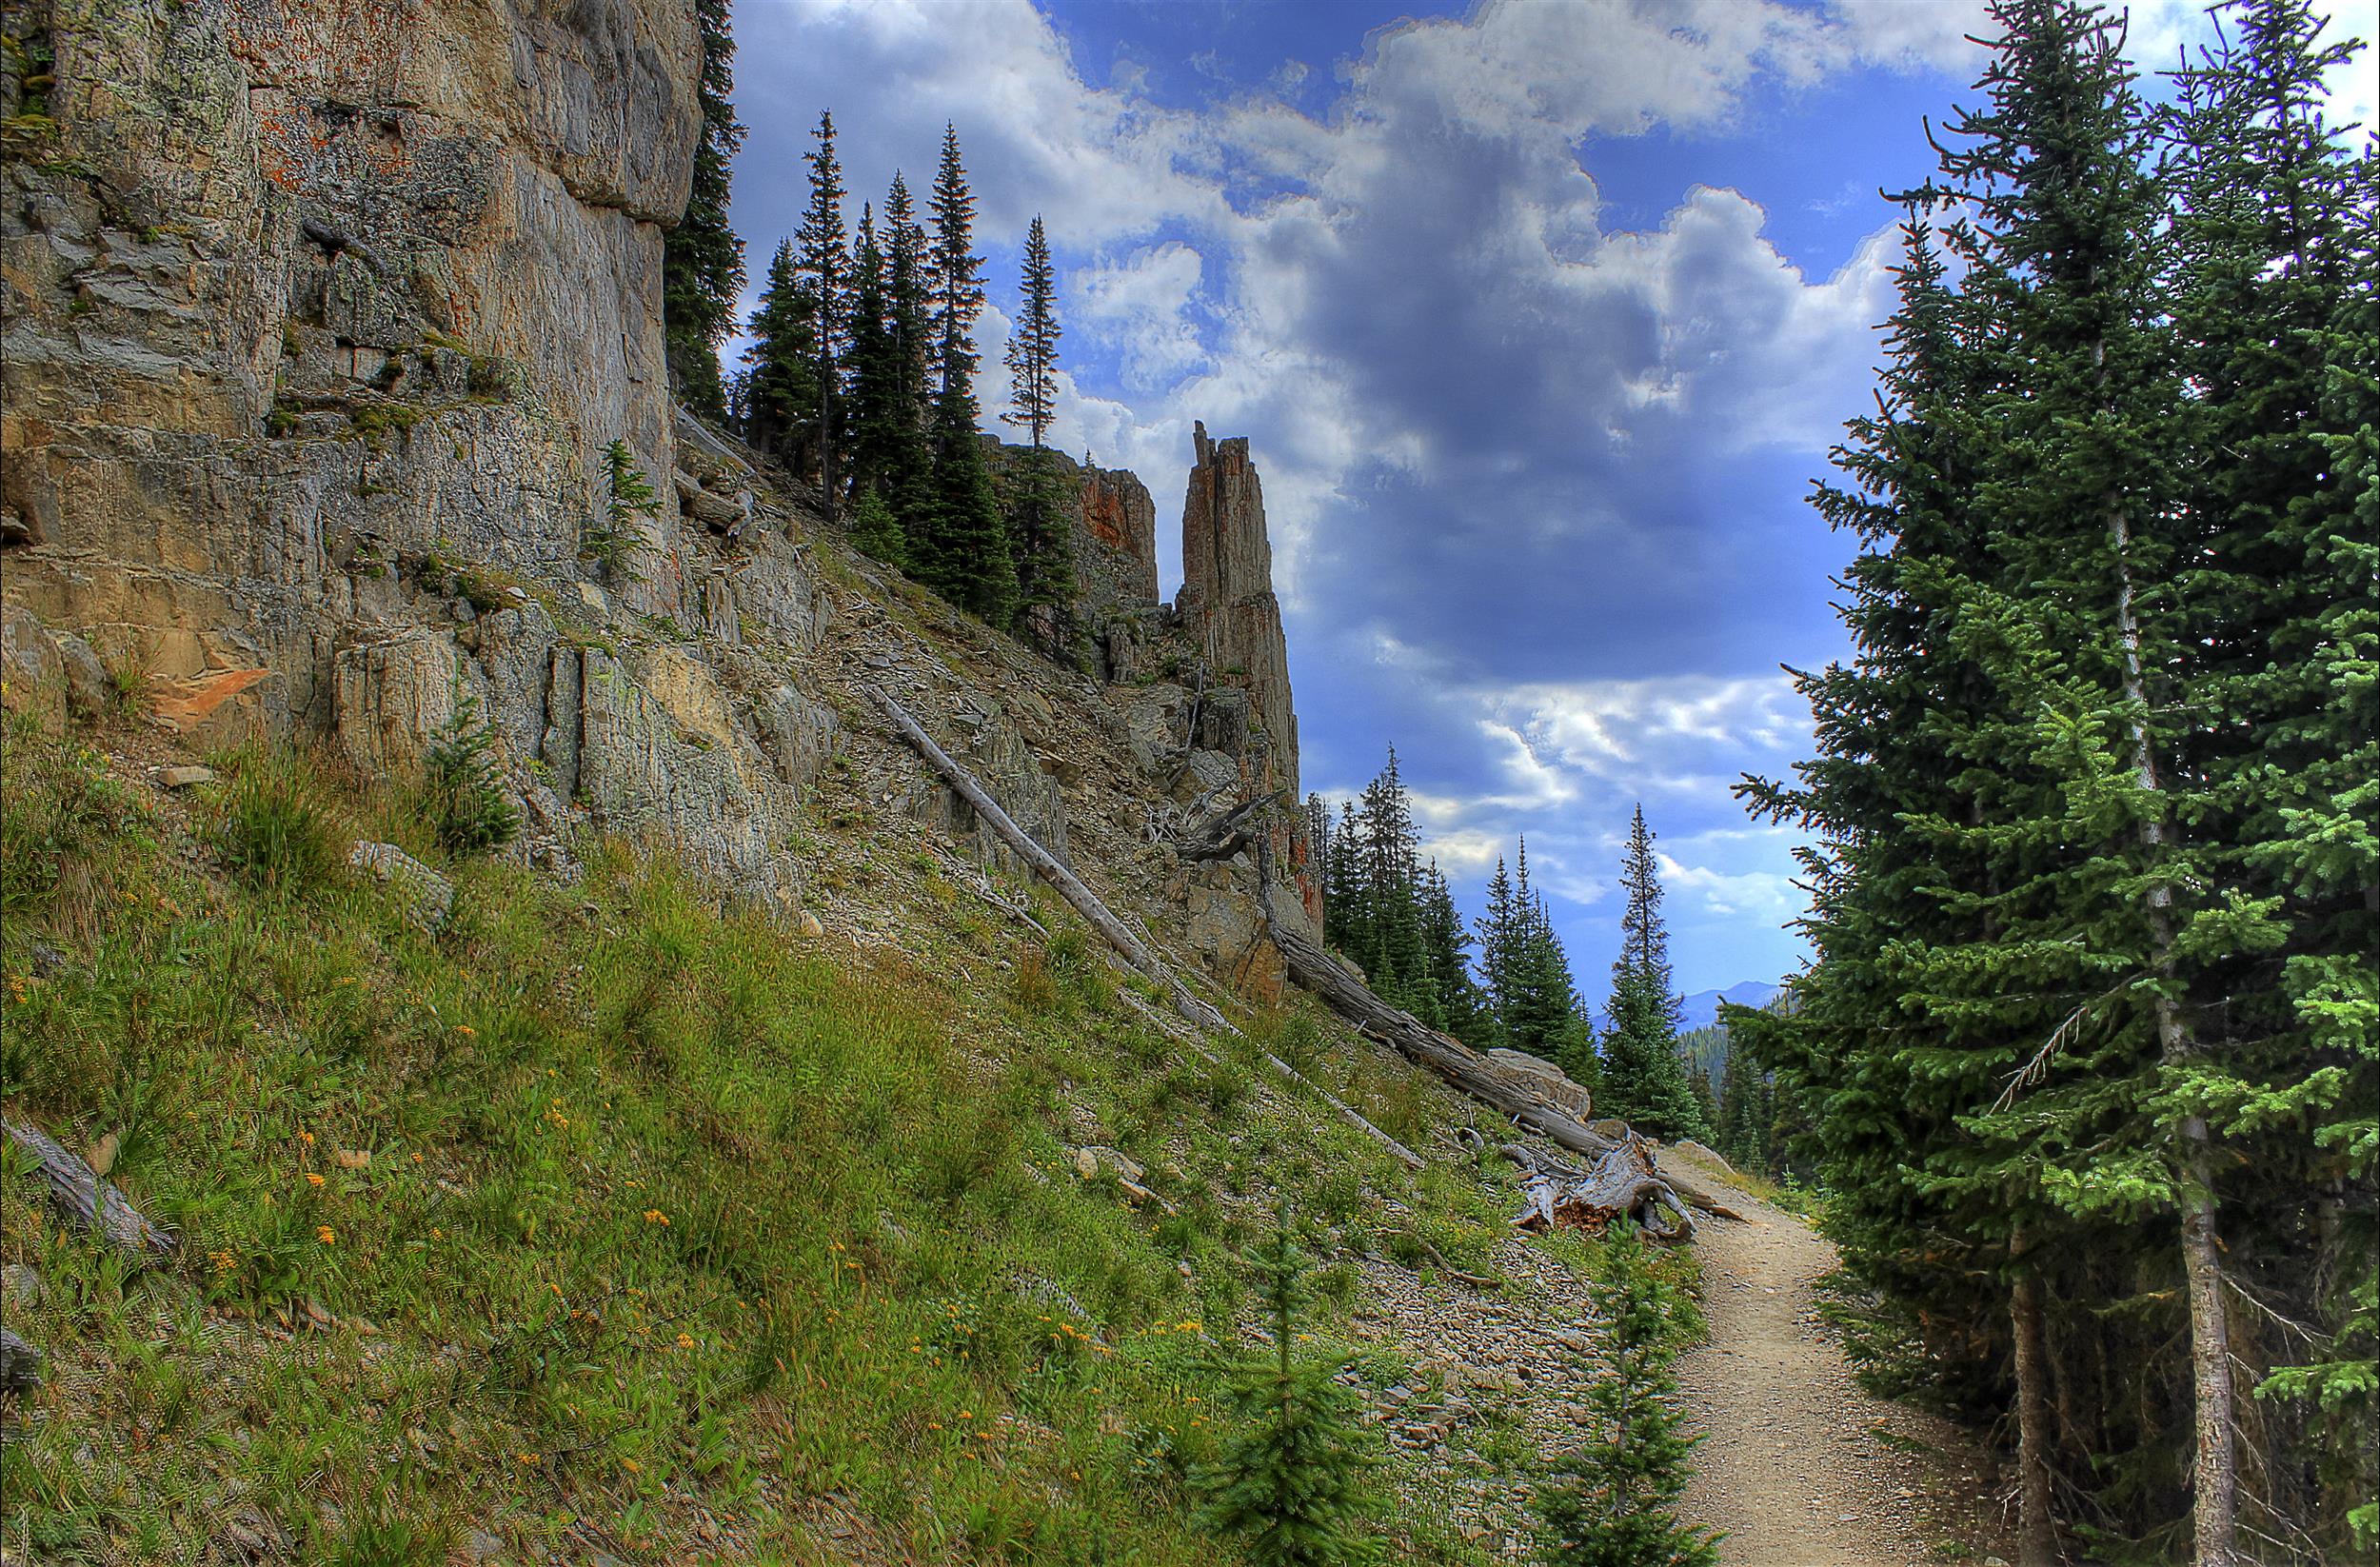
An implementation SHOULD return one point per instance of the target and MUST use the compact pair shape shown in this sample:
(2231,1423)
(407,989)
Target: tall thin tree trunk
(2215,1473)
(2036,1528)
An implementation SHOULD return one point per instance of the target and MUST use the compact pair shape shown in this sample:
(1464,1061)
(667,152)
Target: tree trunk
(2215,1505)
(1119,935)
(2036,1528)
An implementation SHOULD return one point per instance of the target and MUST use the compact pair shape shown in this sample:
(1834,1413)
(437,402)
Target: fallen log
(1118,934)
(1620,1182)
(1320,972)
(89,1202)
(1044,864)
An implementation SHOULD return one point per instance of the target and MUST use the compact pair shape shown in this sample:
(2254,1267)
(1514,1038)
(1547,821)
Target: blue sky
(1539,316)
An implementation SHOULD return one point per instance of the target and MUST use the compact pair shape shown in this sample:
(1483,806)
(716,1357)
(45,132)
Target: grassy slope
(606,1219)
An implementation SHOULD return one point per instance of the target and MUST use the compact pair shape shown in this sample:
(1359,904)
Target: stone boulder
(1540,1077)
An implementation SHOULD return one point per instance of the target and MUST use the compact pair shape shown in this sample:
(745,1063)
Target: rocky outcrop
(298,290)
(319,322)
(1116,545)
(1228,609)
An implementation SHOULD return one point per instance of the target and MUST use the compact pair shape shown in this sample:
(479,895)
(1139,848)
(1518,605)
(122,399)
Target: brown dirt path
(1793,1465)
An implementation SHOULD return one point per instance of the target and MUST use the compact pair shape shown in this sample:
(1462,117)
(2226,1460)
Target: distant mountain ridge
(1702,1007)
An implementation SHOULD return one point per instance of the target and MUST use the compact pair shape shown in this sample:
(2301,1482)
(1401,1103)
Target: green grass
(605,1215)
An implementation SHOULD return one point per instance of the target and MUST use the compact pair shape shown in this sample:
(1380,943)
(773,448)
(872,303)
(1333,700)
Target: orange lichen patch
(1103,513)
(185,702)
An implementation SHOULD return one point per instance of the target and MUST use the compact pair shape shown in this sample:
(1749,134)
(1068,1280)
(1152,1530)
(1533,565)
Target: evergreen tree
(2271,281)
(1542,1013)
(1611,1500)
(874,531)
(1444,944)
(904,458)
(1496,933)
(617,537)
(1045,548)
(1289,1482)
(964,554)
(1643,1081)
(2090,864)
(780,388)
(822,265)
(872,410)
(702,258)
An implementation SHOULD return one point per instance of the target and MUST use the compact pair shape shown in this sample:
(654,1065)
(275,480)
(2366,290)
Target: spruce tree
(2088,868)
(1496,934)
(1445,943)
(905,457)
(780,388)
(1611,1500)
(702,257)
(822,264)
(872,409)
(874,531)
(1043,543)
(964,554)
(1643,1081)
(2271,281)
(1289,1482)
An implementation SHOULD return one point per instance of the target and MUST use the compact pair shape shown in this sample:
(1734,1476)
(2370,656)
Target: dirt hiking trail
(1799,1465)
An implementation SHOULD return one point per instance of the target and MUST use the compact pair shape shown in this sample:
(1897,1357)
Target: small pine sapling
(613,541)
(1611,1501)
(1289,1482)
(877,533)
(469,808)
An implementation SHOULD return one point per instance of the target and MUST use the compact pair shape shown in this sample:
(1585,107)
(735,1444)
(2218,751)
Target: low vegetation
(602,1218)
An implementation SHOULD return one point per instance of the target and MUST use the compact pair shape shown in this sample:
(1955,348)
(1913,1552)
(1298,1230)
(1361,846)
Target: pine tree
(2272,279)
(874,531)
(2082,902)
(614,540)
(1045,548)
(780,390)
(822,265)
(964,554)
(1611,1500)
(1290,1481)
(1496,933)
(1444,944)
(905,460)
(1643,1081)
(702,258)
(872,408)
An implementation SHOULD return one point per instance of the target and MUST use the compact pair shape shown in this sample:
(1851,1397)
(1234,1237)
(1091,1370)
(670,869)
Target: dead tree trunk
(89,1202)
(1119,935)
(1620,1183)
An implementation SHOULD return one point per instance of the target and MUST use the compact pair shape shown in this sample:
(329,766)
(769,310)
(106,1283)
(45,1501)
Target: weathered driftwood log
(1323,974)
(20,1364)
(1119,935)
(1085,902)
(1621,1181)
(89,1203)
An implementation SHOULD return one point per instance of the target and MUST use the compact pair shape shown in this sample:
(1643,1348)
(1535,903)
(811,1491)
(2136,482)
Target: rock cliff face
(320,320)
(298,293)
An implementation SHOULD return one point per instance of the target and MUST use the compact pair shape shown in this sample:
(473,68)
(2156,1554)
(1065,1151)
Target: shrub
(469,808)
